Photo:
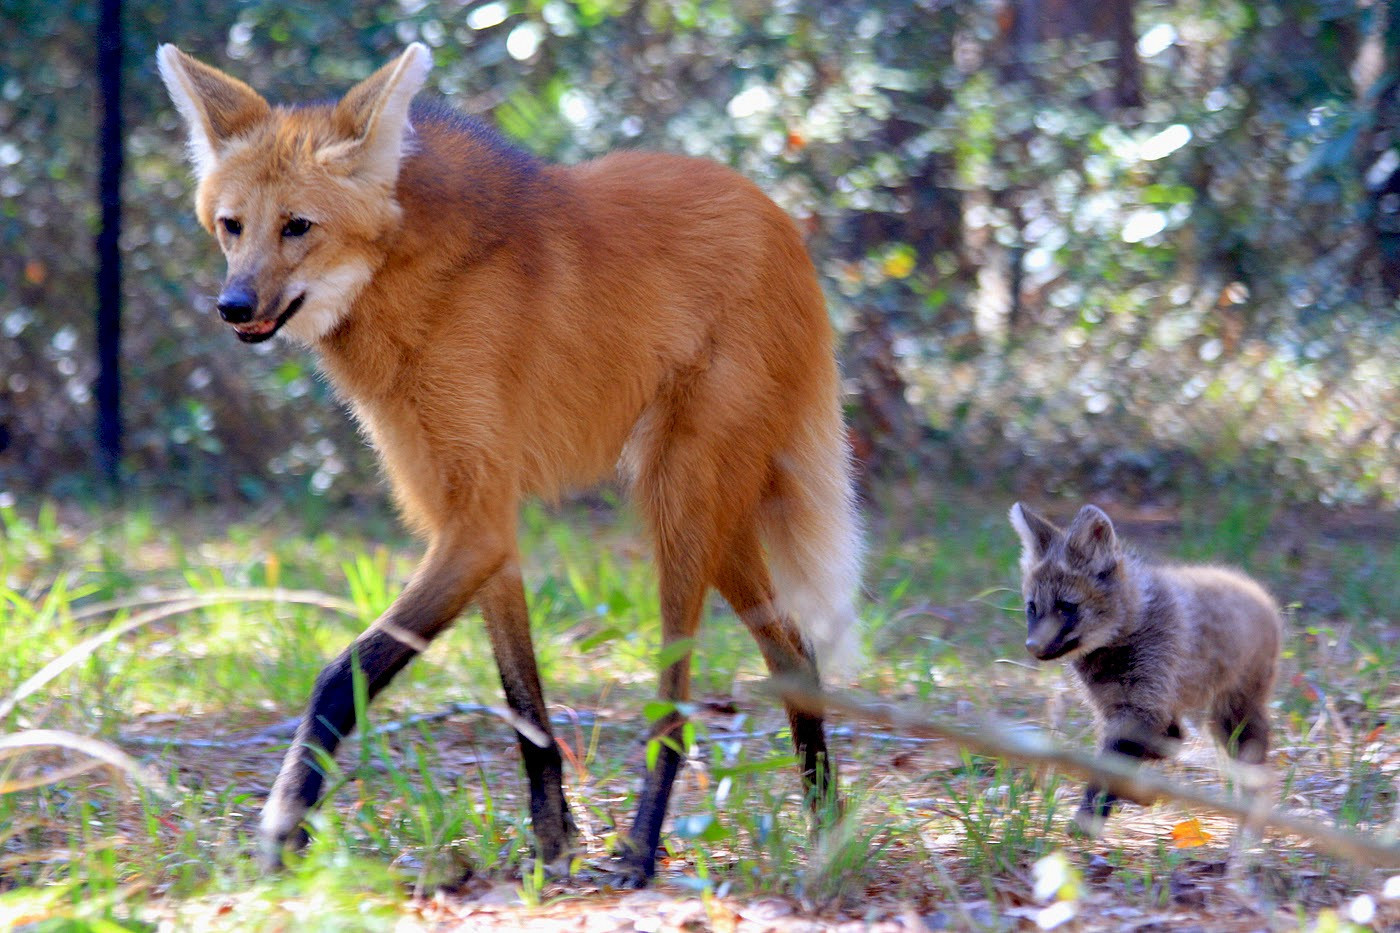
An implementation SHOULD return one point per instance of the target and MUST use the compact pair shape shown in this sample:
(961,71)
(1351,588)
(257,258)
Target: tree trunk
(109,272)
(1032,22)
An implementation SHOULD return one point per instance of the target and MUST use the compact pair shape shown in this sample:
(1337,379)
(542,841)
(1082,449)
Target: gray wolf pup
(1149,644)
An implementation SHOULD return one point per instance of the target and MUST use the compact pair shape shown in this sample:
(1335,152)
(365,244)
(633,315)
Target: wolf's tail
(812,529)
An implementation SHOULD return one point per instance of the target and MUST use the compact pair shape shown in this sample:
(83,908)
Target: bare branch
(282,732)
(1122,775)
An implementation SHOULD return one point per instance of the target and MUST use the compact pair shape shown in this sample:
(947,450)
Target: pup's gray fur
(1150,644)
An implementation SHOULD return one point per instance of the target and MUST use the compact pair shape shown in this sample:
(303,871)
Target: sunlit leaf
(1055,878)
(673,652)
(1189,834)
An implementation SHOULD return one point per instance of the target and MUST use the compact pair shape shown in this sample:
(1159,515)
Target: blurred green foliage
(1070,291)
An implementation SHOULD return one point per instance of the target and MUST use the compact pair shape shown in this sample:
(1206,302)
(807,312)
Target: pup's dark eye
(232,226)
(297,226)
(1067,609)
(1030,609)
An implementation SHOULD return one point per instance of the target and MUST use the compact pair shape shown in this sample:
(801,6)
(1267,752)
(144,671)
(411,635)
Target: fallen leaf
(1189,834)
(1308,689)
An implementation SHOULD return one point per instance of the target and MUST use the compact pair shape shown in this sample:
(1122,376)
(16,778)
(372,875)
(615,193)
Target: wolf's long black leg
(1133,738)
(441,587)
(744,582)
(502,601)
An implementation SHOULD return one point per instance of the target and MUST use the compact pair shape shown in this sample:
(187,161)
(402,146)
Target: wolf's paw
(629,868)
(559,868)
(273,844)
(627,877)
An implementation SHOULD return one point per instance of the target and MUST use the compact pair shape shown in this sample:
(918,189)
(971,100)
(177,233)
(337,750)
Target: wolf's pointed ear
(373,116)
(1037,534)
(216,107)
(1090,540)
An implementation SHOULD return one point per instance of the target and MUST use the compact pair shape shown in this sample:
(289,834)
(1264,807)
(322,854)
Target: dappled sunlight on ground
(427,826)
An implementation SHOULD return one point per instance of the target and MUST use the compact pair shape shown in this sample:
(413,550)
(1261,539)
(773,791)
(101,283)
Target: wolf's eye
(1030,609)
(297,226)
(1067,609)
(232,226)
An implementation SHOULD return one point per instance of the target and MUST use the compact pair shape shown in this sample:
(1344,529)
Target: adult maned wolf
(504,328)
(1149,644)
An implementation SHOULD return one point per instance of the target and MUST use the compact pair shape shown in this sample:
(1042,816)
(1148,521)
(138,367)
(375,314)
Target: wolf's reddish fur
(505,328)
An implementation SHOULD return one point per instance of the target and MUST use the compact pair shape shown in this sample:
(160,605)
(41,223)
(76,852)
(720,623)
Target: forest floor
(197,673)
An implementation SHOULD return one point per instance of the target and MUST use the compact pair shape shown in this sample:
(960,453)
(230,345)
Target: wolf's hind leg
(744,582)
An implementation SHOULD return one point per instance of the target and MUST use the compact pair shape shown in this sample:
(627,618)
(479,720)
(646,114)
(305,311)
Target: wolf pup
(505,328)
(1150,644)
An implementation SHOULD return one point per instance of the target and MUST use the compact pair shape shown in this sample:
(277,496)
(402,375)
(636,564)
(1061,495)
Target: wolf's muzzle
(237,303)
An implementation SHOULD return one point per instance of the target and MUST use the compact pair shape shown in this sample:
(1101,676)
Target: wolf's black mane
(429,110)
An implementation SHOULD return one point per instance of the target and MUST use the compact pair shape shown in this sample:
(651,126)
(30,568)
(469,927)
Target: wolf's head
(300,198)
(1072,581)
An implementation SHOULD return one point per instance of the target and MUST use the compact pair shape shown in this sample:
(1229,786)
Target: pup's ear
(373,117)
(1037,534)
(1090,541)
(216,107)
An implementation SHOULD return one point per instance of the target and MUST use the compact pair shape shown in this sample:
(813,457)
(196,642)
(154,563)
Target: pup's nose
(237,303)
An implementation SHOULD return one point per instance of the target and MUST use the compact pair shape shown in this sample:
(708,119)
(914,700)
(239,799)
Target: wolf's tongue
(257,327)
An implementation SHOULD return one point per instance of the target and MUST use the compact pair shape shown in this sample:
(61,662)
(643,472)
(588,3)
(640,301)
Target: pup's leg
(1138,734)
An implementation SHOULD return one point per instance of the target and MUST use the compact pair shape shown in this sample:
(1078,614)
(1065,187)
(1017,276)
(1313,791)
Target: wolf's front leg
(445,580)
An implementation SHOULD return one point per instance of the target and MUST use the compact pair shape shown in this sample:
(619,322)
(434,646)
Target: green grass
(439,803)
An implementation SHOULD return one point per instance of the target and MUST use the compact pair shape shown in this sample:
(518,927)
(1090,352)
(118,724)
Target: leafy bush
(1078,292)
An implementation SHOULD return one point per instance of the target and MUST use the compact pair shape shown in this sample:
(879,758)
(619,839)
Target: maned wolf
(1150,644)
(504,328)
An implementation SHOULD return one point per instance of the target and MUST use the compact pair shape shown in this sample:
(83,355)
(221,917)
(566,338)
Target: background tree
(1062,252)
(109,257)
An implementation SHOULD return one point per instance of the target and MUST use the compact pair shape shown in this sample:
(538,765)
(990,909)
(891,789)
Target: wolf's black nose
(237,303)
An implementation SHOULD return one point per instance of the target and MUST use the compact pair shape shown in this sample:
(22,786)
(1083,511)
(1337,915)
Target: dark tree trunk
(109,272)
(886,432)
(1031,22)
(1383,186)
(1379,53)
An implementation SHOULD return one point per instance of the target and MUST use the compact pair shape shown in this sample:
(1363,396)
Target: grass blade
(175,607)
(103,752)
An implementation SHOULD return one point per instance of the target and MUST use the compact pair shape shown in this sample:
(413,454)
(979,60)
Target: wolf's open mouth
(258,331)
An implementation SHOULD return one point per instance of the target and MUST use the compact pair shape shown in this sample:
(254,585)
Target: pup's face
(1071,582)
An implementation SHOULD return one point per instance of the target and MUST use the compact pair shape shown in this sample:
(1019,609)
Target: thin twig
(1122,775)
(55,776)
(219,596)
(281,732)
